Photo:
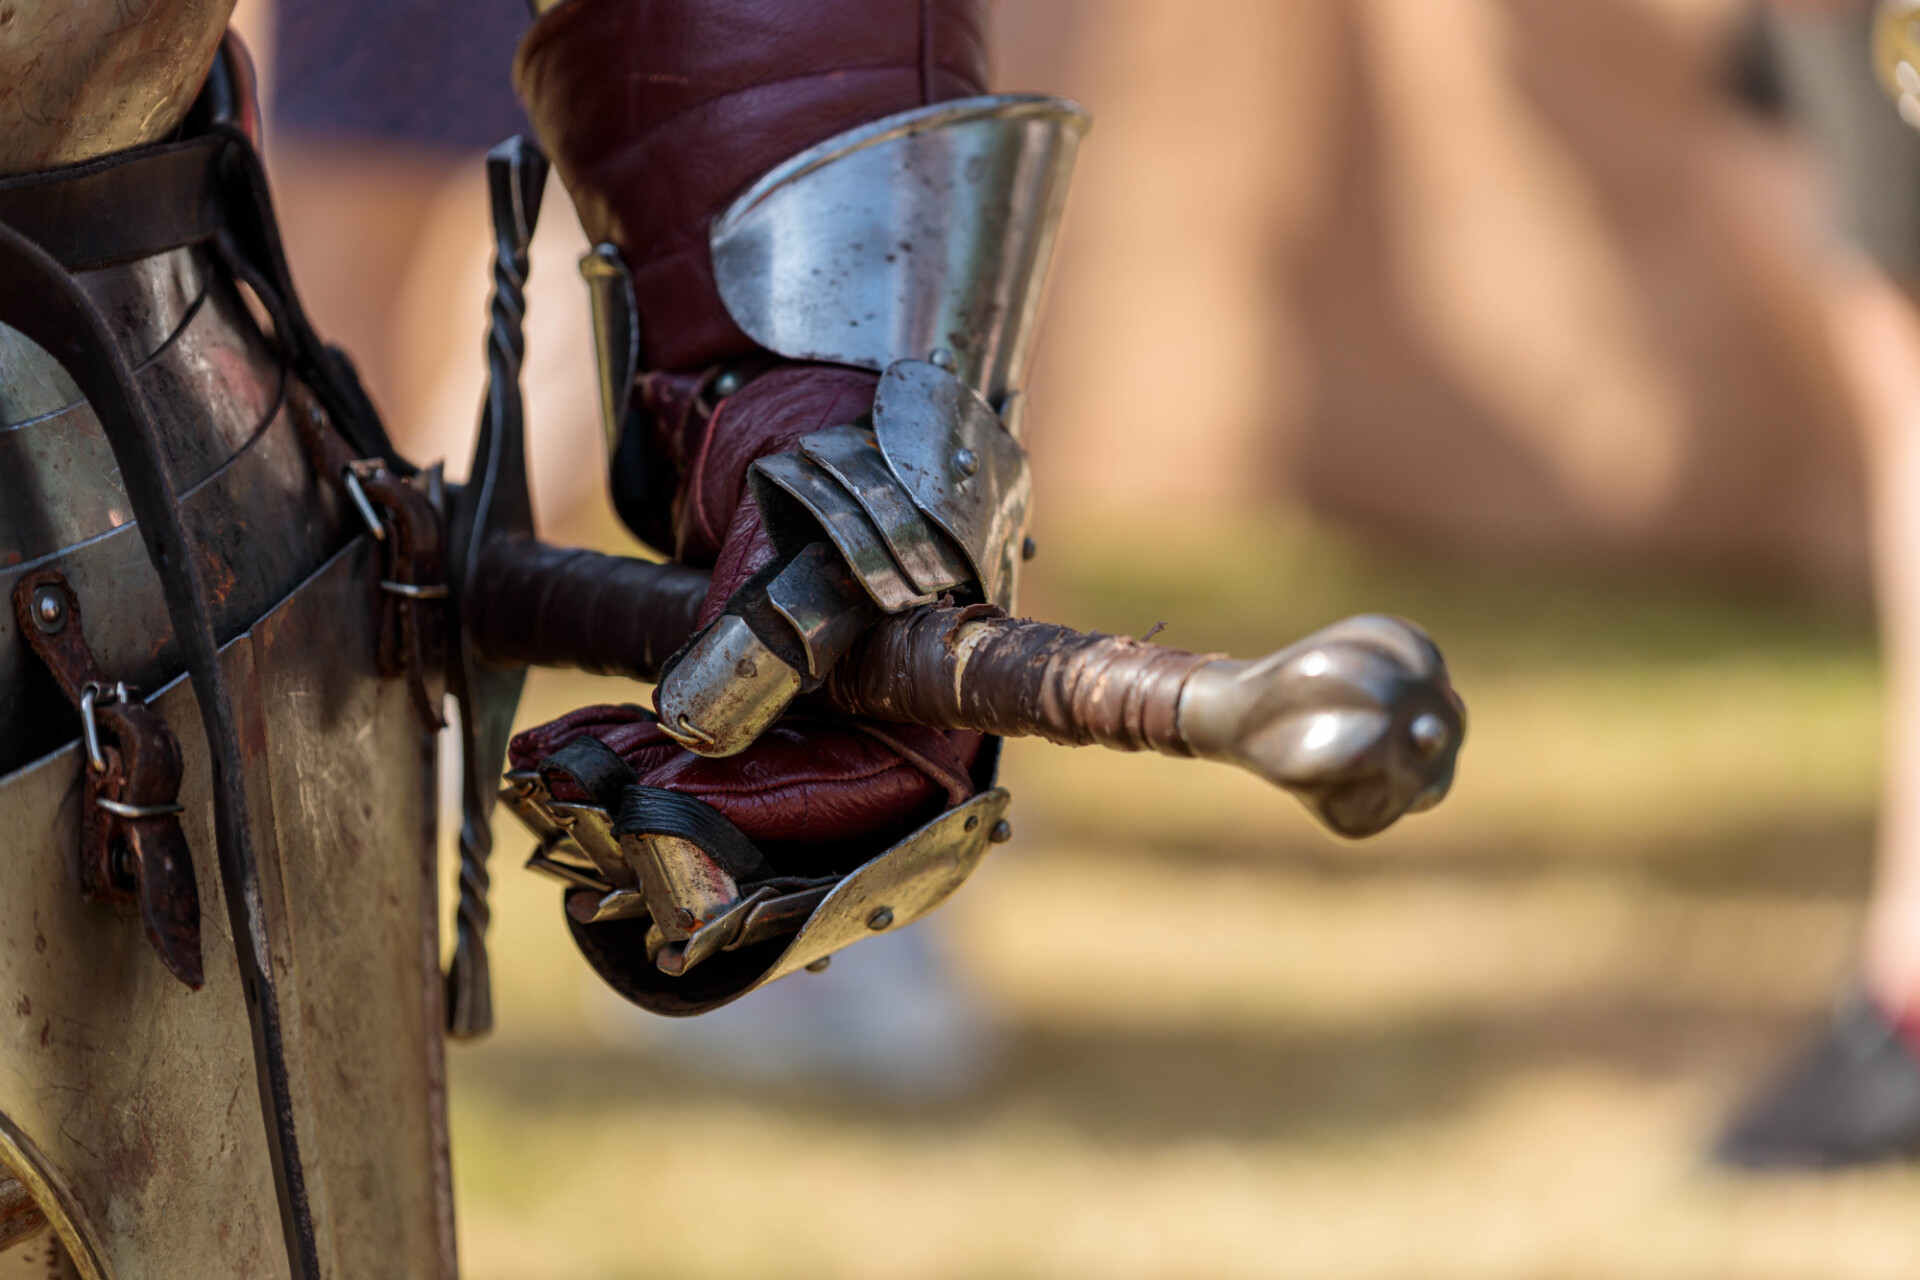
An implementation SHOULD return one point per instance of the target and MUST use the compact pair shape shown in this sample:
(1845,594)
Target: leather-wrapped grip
(537,605)
(974,668)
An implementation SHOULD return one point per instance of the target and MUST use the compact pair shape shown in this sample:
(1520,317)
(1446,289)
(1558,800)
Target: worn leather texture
(807,781)
(657,113)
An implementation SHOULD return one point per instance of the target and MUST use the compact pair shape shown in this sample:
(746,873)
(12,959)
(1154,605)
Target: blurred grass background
(1492,1043)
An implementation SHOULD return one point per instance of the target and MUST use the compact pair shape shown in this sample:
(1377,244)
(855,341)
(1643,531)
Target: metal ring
(687,734)
(415,591)
(352,480)
(122,810)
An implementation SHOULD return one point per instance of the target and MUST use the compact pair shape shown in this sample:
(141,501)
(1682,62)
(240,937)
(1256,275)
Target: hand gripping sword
(1359,720)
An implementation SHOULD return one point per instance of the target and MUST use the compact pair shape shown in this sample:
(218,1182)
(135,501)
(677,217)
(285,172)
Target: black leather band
(594,767)
(654,811)
(120,207)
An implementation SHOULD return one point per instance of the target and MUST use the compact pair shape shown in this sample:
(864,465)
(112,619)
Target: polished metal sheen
(928,230)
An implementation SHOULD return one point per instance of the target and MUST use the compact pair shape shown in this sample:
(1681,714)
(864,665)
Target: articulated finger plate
(932,499)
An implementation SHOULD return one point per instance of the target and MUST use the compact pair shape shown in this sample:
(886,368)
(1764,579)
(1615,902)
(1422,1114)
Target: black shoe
(1853,1100)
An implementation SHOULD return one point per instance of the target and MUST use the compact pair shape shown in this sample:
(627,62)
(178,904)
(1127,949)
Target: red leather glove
(657,113)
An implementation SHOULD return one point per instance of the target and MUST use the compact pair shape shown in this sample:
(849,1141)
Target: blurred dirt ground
(1492,1043)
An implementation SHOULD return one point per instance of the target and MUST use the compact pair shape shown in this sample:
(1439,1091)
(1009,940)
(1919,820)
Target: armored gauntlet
(818,255)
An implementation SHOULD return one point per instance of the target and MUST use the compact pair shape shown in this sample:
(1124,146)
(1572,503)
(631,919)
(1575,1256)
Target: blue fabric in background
(433,73)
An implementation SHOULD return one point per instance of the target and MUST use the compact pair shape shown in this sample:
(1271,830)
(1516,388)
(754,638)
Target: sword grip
(1359,720)
(544,606)
(972,668)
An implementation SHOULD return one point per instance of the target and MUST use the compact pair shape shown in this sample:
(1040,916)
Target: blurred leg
(354,215)
(1877,336)
(1854,1097)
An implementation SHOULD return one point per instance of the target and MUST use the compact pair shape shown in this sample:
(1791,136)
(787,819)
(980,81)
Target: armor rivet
(49,609)
(684,918)
(820,965)
(880,919)
(727,383)
(966,462)
(941,358)
(1029,548)
(745,669)
(1001,833)
(1429,734)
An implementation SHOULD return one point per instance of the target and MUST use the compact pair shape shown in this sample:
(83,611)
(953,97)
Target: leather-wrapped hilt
(975,668)
(538,605)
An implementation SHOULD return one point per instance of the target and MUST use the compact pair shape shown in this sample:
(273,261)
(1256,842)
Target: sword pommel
(1359,720)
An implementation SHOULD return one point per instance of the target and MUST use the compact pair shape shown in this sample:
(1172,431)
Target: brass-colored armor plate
(132,1099)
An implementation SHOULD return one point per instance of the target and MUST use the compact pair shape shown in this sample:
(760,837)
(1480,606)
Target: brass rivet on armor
(1029,548)
(49,609)
(966,462)
(880,919)
(727,383)
(745,669)
(1001,833)
(684,918)
(941,358)
(820,965)
(1429,734)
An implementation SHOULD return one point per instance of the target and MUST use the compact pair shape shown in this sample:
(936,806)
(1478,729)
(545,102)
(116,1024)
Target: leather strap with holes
(132,849)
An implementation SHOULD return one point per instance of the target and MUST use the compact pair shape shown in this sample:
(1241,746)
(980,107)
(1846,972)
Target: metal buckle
(415,590)
(350,477)
(90,727)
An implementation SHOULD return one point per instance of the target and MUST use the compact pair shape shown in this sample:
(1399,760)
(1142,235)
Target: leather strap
(120,207)
(594,767)
(131,847)
(42,301)
(655,811)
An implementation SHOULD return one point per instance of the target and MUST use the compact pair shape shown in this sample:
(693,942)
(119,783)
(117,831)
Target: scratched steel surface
(234,455)
(208,375)
(352,791)
(136,1096)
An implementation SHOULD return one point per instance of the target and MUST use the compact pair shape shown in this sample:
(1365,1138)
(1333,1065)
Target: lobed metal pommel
(1359,720)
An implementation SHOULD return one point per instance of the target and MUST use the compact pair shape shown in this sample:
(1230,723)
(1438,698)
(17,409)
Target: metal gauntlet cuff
(916,247)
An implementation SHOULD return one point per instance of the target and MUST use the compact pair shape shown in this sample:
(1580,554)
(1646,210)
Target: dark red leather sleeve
(657,113)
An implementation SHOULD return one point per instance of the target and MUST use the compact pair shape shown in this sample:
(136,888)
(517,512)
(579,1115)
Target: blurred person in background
(1854,1095)
(380,112)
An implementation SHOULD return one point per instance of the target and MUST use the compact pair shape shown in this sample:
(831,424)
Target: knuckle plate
(961,466)
(851,456)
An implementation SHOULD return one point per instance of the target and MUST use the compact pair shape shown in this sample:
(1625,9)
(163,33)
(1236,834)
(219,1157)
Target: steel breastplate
(247,491)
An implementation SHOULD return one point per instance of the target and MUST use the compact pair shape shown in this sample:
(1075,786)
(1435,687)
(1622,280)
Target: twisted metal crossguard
(1359,720)
(492,507)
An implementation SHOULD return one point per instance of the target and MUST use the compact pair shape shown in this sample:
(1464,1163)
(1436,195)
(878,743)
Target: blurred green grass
(1490,1043)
